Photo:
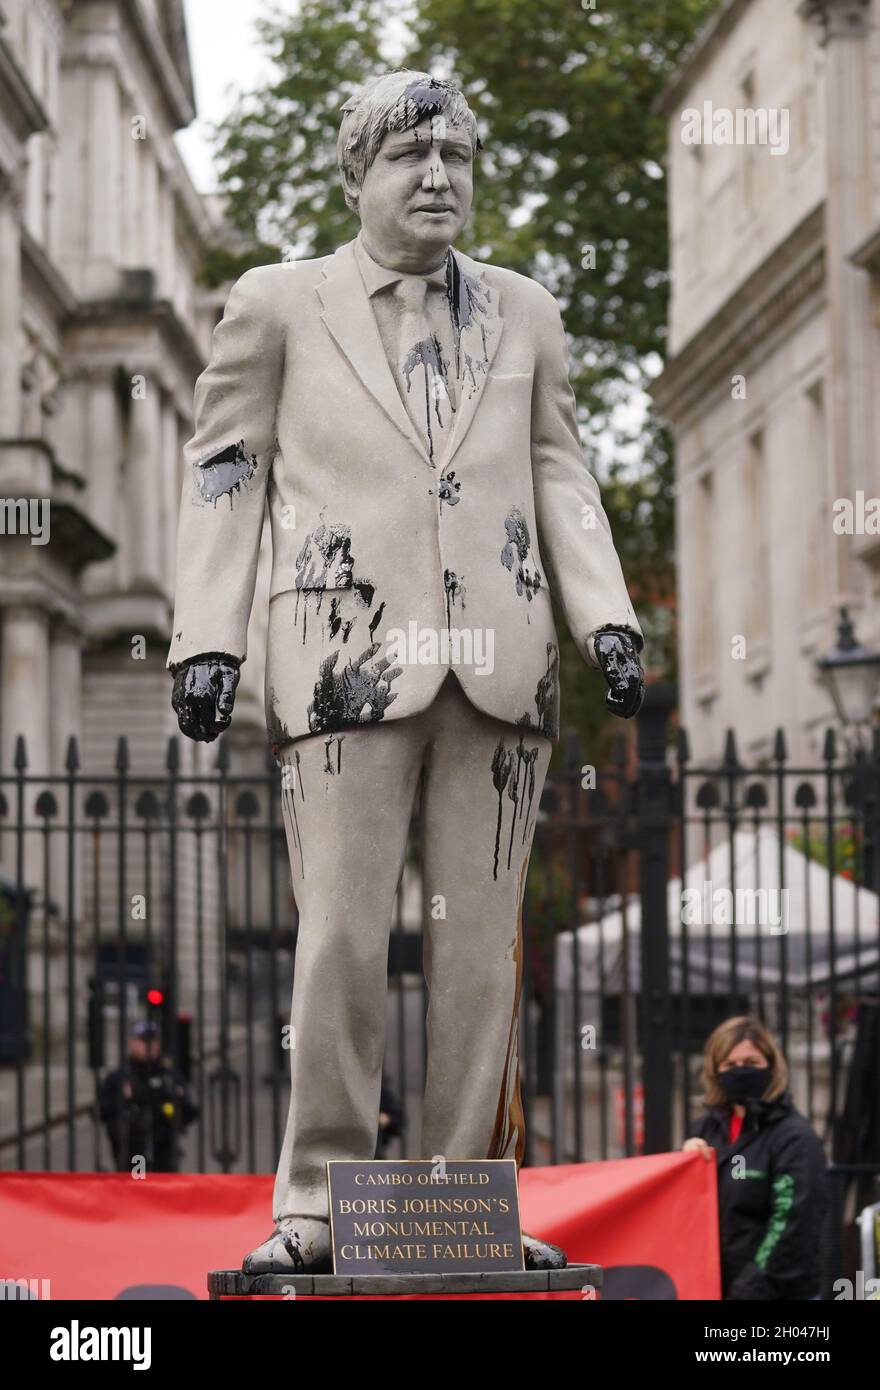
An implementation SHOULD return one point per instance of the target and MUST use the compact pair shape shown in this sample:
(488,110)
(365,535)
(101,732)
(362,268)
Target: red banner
(650,1222)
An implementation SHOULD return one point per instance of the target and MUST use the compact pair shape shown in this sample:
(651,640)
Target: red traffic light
(155,996)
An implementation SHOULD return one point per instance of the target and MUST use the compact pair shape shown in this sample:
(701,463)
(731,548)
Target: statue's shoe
(540,1254)
(298,1245)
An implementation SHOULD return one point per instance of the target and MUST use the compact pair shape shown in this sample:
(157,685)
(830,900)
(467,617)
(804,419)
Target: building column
(170,457)
(25,690)
(10,308)
(102,456)
(103,210)
(165,233)
(65,673)
(845,27)
(149,205)
(144,490)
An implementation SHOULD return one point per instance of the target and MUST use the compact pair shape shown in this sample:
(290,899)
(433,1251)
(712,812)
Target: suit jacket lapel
(477,327)
(349,316)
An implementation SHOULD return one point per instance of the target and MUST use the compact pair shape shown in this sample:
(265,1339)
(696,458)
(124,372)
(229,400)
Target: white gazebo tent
(768,927)
(795,932)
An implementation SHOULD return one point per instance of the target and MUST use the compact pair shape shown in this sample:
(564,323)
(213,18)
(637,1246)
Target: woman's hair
(721,1043)
(397,100)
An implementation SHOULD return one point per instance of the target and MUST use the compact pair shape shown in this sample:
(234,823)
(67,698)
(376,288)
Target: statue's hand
(204,694)
(618,658)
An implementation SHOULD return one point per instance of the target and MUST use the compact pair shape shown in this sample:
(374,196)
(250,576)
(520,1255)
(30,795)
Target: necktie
(423,366)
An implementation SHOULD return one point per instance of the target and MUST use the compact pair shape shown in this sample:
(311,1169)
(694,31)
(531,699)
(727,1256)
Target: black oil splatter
(455,592)
(358,694)
(467,297)
(449,490)
(288,795)
(223,473)
(502,762)
(546,699)
(516,551)
(364,590)
(547,695)
(376,620)
(513,771)
(338,740)
(335,622)
(276,729)
(617,650)
(325,562)
(325,559)
(513,794)
(419,101)
(428,354)
(523,782)
(531,755)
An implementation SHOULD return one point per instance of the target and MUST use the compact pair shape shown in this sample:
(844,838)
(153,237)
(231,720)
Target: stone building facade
(773,360)
(104,328)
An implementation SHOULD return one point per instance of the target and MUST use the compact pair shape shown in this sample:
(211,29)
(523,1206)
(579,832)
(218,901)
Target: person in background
(772,1170)
(137,1103)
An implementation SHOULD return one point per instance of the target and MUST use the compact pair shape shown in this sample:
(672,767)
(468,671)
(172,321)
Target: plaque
(424,1217)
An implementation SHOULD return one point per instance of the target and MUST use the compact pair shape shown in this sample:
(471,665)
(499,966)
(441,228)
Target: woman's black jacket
(772,1198)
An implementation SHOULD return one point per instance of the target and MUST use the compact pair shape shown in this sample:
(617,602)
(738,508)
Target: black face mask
(740,1084)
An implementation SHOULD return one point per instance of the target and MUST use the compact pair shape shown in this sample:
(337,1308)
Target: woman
(772,1172)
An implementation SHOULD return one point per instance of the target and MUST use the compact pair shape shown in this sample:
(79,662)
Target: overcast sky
(225,58)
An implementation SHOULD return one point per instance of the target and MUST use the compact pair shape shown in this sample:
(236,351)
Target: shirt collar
(376,276)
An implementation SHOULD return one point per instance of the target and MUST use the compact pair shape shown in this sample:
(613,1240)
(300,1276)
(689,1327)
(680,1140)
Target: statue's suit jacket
(298,409)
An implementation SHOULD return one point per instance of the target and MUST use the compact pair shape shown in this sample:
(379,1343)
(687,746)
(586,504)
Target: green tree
(569,188)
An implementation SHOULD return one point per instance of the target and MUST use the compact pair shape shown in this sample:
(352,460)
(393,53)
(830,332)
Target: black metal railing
(167,896)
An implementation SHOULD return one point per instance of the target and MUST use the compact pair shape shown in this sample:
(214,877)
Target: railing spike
(684,746)
(122,759)
(71,761)
(19,761)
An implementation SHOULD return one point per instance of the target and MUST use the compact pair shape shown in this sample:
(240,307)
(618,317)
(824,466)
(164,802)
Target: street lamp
(851,673)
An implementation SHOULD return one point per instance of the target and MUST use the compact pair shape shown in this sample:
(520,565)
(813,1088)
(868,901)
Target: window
(757,570)
(815,494)
(703,579)
(746,155)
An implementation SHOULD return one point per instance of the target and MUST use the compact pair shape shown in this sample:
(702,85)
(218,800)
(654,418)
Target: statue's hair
(394,101)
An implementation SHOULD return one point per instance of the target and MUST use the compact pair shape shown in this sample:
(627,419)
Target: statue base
(574,1282)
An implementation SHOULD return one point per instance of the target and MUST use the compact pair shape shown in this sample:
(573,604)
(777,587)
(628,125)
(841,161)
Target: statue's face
(417,193)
